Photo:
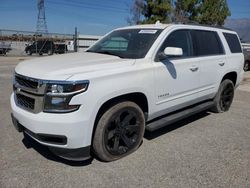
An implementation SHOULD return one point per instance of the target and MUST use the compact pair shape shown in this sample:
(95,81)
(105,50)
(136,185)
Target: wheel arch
(137,97)
(231,76)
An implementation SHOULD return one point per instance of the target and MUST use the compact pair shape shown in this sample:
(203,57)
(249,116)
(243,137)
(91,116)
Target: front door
(177,78)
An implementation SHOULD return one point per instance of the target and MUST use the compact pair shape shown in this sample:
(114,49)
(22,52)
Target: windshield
(129,43)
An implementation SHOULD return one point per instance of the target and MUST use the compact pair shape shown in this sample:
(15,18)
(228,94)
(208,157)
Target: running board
(179,115)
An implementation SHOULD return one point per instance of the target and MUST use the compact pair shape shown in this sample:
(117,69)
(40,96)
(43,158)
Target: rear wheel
(119,131)
(224,97)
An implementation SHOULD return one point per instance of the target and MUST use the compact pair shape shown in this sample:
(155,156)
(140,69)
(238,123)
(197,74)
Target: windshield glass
(129,43)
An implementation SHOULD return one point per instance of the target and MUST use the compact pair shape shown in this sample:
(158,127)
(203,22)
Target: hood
(61,67)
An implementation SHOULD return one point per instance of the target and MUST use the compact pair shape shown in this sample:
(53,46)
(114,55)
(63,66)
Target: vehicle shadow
(152,135)
(45,152)
(170,67)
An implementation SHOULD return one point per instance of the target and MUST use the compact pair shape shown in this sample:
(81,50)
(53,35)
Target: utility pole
(41,26)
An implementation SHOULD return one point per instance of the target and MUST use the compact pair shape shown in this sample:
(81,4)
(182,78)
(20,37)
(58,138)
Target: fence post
(75,40)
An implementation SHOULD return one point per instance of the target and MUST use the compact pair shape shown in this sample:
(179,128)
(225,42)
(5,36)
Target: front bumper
(64,133)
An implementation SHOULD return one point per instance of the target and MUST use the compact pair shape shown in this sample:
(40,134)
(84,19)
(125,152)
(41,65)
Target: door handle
(221,64)
(194,68)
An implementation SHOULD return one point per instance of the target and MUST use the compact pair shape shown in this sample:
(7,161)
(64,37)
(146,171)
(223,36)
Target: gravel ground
(206,150)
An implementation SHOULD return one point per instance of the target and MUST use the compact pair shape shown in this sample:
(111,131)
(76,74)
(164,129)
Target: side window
(233,42)
(206,43)
(179,39)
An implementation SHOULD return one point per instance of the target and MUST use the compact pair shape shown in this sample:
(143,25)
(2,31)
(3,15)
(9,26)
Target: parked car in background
(246,51)
(4,48)
(60,48)
(40,47)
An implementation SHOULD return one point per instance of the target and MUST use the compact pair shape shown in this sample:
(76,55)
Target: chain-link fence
(22,43)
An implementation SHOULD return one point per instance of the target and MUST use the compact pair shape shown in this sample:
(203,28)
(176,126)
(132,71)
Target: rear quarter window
(233,42)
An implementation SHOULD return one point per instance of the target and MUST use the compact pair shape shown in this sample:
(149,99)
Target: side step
(179,115)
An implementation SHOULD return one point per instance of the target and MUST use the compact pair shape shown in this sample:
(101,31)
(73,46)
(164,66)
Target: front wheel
(119,131)
(224,97)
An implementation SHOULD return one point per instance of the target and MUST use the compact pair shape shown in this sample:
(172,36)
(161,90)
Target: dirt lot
(206,150)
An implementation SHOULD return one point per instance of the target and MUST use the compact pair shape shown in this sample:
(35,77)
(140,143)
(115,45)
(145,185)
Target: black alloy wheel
(122,133)
(226,97)
(119,131)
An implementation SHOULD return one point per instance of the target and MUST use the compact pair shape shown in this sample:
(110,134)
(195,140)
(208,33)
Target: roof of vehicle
(147,26)
(159,25)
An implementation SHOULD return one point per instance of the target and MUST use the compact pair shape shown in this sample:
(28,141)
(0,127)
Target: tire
(224,97)
(246,66)
(119,131)
(40,53)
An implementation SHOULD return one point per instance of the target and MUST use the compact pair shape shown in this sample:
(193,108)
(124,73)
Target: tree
(211,12)
(155,10)
(150,11)
(137,11)
(185,10)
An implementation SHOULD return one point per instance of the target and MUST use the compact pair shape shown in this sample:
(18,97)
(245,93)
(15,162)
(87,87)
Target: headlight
(59,94)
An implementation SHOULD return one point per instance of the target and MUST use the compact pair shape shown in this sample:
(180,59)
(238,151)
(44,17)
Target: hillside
(241,26)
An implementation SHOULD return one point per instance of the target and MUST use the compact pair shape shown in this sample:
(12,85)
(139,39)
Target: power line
(102,8)
(93,3)
(78,15)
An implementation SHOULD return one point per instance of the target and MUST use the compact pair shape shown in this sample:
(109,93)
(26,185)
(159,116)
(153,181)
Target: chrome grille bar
(29,93)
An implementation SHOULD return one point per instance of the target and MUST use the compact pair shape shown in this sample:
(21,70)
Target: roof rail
(194,23)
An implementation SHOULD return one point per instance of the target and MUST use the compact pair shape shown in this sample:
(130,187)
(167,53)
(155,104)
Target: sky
(93,17)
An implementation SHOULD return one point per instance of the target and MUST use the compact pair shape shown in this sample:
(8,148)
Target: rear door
(208,49)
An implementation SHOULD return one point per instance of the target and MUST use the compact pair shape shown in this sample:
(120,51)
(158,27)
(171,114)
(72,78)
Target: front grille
(29,93)
(26,82)
(25,101)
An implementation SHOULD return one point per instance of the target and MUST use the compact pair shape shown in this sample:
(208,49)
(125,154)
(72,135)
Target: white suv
(134,78)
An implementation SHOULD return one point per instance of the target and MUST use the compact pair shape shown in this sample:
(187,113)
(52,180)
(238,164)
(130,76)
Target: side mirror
(170,51)
(173,51)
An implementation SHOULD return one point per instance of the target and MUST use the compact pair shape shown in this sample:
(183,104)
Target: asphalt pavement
(205,150)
